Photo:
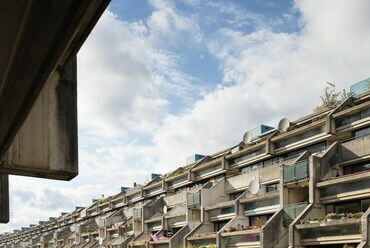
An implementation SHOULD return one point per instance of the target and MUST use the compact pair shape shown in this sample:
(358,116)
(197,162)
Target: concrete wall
(124,244)
(322,168)
(269,173)
(354,149)
(274,233)
(177,240)
(46,144)
(240,181)
(327,159)
(153,208)
(176,199)
(214,195)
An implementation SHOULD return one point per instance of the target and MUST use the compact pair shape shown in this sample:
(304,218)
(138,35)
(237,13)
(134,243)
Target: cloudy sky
(160,80)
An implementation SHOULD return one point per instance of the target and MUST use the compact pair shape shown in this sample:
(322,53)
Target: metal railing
(327,231)
(137,214)
(194,199)
(296,172)
(292,211)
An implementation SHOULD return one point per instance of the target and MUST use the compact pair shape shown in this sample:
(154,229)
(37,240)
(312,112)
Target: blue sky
(159,80)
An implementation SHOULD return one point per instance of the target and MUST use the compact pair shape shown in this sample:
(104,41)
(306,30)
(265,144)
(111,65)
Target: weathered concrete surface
(36,38)
(38,44)
(4,199)
(355,148)
(46,144)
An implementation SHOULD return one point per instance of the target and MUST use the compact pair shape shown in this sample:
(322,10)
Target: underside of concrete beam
(46,144)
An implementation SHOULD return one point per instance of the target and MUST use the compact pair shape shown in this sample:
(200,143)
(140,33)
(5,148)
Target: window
(260,204)
(219,225)
(250,155)
(361,132)
(208,170)
(349,119)
(300,136)
(364,166)
(228,210)
(272,187)
(235,195)
(348,207)
(259,219)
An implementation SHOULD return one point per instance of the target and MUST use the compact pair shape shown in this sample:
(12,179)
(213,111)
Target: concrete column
(4,198)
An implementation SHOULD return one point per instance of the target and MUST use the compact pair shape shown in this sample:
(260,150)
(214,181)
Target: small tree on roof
(329,100)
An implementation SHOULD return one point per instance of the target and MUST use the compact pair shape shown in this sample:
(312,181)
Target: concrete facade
(306,186)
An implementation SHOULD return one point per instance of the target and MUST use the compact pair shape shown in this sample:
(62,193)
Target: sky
(160,80)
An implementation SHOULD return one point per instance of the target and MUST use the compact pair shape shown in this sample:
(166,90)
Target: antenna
(247,137)
(254,187)
(332,85)
(284,124)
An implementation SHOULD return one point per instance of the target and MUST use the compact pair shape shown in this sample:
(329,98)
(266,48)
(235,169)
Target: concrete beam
(4,198)
(46,144)
(37,38)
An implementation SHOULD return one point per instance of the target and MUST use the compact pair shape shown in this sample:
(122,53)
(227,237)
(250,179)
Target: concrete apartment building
(303,184)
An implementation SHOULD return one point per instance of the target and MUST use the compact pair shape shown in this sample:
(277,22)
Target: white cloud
(167,24)
(270,75)
(124,78)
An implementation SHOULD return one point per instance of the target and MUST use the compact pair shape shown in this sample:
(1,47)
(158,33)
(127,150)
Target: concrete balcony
(155,223)
(221,212)
(206,239)
(154,190)
(180,198)
(120,241)
(140,241)
(242,239)
(261,207)
(239,233)
(178,178)
(335,232)
(240,182)
(353,189)
(104,206)
(248,197)
(176,217)
(118,201)
(344,179)
(207,170)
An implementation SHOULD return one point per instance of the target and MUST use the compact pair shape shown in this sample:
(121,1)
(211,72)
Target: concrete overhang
(39,40)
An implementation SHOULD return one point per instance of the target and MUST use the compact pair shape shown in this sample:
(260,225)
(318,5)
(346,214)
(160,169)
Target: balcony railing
(194,199)
(296,172)
(292,211)
(248,238)
(137,214)
(331,230)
